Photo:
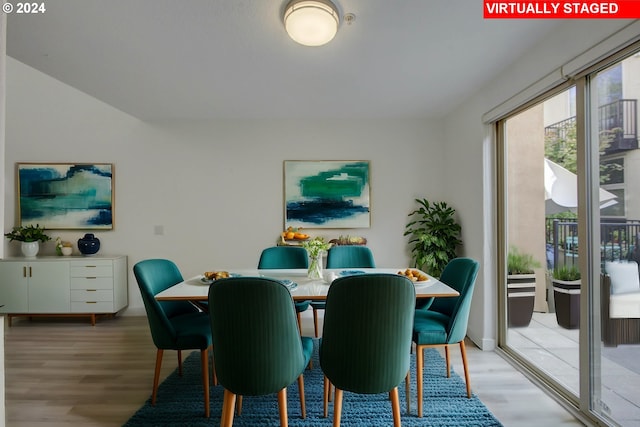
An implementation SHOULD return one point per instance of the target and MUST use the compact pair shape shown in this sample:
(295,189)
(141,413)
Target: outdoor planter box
(521,295)
(567,301)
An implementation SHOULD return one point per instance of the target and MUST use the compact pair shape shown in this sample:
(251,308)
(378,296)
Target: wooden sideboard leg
(93,319)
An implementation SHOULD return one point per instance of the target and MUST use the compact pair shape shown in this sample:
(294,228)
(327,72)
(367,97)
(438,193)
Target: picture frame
(327,194)
(70,196)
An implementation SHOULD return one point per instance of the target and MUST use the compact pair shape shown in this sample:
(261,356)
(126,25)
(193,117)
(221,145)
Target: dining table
(196,289)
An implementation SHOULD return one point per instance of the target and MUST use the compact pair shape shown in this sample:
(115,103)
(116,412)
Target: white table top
(193,289)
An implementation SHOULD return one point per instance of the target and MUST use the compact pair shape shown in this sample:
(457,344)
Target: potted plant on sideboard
(521,287)
(566,294)
(30,236)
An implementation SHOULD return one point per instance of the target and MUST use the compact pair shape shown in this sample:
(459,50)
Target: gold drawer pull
(92,302)
(94,277)
(92,290)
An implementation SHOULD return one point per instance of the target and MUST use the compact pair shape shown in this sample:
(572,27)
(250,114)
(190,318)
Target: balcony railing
(621,118)
(618,241)
(618,117)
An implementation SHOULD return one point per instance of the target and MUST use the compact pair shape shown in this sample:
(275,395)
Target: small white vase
(30,249)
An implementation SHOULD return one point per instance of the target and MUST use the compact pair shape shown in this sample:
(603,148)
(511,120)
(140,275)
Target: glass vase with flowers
(316,247)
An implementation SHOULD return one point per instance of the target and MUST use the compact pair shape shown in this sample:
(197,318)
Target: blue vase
(89,244)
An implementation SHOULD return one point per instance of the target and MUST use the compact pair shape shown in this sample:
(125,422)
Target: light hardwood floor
(64,372)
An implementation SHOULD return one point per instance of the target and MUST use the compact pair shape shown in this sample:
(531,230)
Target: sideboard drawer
(91,271)
(91,296)
(91,283)
(91,307)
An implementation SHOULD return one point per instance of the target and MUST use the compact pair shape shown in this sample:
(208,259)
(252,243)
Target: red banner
(622,9)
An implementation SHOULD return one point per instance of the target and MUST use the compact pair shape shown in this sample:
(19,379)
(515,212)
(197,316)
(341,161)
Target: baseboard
(134,311)
(484,344)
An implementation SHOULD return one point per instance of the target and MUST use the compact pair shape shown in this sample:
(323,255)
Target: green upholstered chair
(175,325)
(283,257)
(445,322)
(345,256)
(365,347)
(258,349)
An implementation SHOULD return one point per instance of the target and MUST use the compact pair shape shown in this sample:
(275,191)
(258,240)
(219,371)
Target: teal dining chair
(283,257)
(445,322)
(344,256)
(258,349)
(365,347)
(175,325)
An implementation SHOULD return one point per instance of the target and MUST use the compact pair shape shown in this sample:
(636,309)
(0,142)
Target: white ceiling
(203,59)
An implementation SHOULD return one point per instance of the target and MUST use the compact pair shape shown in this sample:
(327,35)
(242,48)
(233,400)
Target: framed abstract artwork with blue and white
(66,195)
(327,194)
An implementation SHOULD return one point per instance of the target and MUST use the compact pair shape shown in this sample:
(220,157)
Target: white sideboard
(63,286)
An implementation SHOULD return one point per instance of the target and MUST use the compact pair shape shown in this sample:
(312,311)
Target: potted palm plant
(30,236)
(521,287)
(434,236)
(566,283)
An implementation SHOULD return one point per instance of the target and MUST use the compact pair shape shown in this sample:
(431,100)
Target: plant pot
(30,249)
(566,295)
(521,295)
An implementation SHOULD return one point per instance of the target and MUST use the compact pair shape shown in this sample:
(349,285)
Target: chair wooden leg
(179,363)
(337,408)
(315,321)
(395,406)
(239,405)
(447,360)
(299,322)
(204,362)
(214,377)
(419,367)
(228,403)
(156,376)
(327,385)
(463,351)
(303,405)
(282,404)
(407,391)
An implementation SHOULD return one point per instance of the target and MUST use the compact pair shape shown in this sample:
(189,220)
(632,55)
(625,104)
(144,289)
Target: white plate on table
(416,272)
(427,282)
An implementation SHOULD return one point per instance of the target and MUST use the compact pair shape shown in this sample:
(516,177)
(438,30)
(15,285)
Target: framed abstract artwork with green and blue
(66,195)
(327,194)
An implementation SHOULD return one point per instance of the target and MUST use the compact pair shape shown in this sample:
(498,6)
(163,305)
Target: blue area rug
(180,402)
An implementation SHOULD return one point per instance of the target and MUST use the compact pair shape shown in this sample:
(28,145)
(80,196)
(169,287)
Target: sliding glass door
(570,221)
(615,187)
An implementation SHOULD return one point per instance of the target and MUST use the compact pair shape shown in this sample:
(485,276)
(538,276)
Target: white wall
(215,187)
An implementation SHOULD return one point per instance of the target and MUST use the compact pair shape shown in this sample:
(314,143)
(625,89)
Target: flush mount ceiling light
(311,22)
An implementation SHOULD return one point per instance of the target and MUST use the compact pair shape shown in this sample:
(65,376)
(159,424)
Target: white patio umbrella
(561,190)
